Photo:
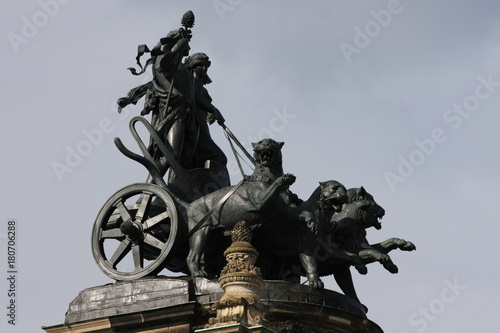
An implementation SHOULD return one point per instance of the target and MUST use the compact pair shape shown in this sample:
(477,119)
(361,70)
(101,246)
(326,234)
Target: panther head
(267,152)
(333,195)
(362,207)
(359,193)
(371,213)
(366,213)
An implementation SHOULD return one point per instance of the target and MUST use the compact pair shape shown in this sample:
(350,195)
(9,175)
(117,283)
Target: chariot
(141,229)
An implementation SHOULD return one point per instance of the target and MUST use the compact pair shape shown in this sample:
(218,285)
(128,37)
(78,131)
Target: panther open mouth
(267,152)
(378,220)
(333,196)
(370,219)
(336,203)
(266,157)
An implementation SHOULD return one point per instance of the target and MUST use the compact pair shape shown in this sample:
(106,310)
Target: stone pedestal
(182,305)
(239,301)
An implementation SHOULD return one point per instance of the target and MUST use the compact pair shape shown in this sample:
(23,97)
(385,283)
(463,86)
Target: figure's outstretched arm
(204,102)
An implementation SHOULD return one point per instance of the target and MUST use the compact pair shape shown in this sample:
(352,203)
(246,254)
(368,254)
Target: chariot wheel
(134,232)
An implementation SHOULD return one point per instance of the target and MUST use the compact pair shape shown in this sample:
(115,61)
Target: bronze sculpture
(160,224)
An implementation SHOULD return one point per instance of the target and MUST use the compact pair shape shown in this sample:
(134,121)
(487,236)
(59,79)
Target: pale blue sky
(401,97)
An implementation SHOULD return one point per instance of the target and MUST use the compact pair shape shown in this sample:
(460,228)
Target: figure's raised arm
(174,46)
(176,43)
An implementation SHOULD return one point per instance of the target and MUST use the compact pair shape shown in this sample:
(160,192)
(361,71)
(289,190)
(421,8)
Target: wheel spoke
(153,241)
(111,233)
(113,218)
(144,204)
(149,223)
(137,255)
(124,213)
(120,252)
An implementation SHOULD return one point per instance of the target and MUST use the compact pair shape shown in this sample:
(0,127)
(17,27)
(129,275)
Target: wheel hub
(133,230)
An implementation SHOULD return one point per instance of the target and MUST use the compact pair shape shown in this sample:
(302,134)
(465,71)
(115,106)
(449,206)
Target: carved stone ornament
(241,281)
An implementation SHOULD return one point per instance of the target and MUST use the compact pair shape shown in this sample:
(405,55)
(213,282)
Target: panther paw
(316,283)
(384,258)
(361,268)
(287,179)
(408,246)
(391,267)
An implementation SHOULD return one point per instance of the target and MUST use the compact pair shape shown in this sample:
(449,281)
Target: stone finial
(241,233)
(241,282)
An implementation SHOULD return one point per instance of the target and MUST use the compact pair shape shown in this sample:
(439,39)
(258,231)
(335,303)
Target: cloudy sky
(401,97)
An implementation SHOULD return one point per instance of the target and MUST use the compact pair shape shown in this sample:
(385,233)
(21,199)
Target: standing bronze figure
(178,103)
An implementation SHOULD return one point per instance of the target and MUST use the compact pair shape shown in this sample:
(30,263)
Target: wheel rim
(134,232)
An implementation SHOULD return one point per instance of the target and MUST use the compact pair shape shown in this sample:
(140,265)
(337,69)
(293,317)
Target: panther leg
(394,243)
(343,278)
(311,267)
(387,245)
(358,264)
(263,200)
(371,255)
(196,251)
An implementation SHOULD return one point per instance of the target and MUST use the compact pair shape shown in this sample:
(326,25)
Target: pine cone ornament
(188,19)
(241,232)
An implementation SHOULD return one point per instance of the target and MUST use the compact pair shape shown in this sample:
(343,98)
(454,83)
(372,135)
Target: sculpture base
(236,328)
(163,304)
